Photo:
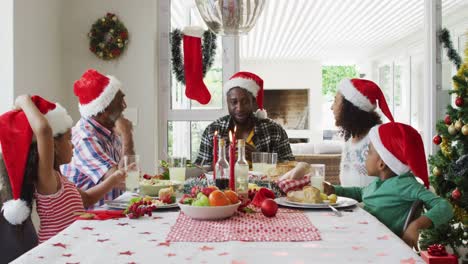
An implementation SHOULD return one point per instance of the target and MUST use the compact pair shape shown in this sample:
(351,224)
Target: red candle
(215,154)
(232,161)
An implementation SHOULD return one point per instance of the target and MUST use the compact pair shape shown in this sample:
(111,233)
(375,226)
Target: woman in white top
(354,111)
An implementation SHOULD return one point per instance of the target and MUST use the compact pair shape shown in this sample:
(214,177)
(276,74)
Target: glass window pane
(184,138)
(386,83)
(417,92)
(402,92)
(184,13)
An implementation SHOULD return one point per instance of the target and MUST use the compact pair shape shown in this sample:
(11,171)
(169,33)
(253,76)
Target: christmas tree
(449,166)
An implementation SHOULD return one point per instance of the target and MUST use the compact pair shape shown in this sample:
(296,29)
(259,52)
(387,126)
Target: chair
(414,212)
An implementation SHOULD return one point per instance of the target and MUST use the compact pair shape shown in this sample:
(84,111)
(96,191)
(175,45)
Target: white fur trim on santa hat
(261,113)
(353,95)
(16,211)
(392,162)
(247,84)
(105,98)
(59,120)
(193,31)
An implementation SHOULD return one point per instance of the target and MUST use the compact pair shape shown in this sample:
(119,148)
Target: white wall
(6,55)
(294,75)
(136,68)
(37,49)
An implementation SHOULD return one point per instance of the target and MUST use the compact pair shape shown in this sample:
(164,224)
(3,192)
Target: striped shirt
(56,210)
(96,150)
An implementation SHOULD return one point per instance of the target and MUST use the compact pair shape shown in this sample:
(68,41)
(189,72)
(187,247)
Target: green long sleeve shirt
(390,201)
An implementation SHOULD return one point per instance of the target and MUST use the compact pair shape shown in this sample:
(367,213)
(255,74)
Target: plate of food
(165,199)
(311,197)
(152,185)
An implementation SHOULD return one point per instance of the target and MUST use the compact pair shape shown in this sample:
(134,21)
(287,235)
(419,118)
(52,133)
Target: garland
(208,53)
(108,37)
(444,38)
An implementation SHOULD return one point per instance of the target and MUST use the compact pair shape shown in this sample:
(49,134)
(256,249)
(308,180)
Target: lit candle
(215,154)
(232,161)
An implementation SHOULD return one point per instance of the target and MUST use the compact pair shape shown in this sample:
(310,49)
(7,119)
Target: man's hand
(123,127)
(328,188)
(118,179)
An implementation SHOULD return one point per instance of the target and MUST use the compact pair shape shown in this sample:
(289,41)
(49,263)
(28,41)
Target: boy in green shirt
(396,152)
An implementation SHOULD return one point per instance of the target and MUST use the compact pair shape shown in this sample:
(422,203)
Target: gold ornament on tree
(464,130)
(445,147)
(452,130)
(458,125)
(436,171)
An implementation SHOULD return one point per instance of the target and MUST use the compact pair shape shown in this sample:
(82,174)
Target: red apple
(208,190)
(269,207)
(194,191)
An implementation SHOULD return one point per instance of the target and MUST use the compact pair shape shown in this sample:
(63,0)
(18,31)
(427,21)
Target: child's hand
(411,236)
(20,100)
(328,188)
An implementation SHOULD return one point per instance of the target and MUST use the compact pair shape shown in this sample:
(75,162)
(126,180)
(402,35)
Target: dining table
(354,237)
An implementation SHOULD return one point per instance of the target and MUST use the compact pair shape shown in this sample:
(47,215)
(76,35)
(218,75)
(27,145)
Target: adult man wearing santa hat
(102,136)
(244,92)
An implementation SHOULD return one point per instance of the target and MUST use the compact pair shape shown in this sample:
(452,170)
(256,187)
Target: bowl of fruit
(209,203)
(150,185)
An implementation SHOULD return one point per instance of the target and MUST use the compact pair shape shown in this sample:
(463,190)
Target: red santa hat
(95,92)
(15,139)
(253,84)
(364,94)
(401,148)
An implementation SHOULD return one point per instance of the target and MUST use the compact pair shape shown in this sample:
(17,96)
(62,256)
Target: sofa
(327,152)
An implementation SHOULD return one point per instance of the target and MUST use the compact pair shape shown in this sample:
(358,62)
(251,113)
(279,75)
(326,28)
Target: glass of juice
(177,169)
(132,168)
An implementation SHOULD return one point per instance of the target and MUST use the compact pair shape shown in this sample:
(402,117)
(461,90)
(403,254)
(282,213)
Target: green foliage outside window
(332,75)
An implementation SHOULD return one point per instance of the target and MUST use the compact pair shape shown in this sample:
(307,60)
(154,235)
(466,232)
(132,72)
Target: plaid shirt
(96,150)
(268,137)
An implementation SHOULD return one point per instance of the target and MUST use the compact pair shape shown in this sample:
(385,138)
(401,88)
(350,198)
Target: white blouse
(353,171)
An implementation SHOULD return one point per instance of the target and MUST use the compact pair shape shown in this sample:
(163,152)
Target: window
(184,120)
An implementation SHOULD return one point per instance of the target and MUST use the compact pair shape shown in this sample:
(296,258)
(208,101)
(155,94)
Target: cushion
(328,147)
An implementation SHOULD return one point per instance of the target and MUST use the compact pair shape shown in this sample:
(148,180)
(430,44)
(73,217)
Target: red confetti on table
(59,245)
(128,252)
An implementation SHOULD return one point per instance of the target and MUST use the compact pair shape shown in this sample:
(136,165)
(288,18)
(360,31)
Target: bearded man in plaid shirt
(261,134)
(102,136)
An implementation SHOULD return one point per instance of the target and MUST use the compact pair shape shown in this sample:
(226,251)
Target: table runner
(287,225)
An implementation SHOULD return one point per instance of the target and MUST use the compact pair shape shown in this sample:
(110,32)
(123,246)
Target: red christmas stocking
(195,88)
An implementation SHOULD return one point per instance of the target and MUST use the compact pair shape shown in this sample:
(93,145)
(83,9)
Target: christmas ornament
(445,147)
(459,102)
(456,194)
(102,37)
(447,120)
(269,207)
(208,51)
(436,171)
(230,17)
(452,130)
(437,139)
(464,130)
(458,125)
(195,88)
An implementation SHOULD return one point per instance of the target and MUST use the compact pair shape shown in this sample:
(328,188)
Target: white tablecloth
(357,237)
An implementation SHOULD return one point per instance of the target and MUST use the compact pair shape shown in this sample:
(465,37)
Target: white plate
(342,202)
(123,205)
(325,202)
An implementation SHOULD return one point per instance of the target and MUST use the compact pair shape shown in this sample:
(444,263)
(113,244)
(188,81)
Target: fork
(337,213)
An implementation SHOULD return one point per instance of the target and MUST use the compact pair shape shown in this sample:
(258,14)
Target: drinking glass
(269,166)
(258,161)
(132,168)
(317,176)
(177,169)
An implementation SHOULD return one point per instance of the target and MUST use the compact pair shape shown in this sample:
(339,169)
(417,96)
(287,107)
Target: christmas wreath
(108,37)
(208,52)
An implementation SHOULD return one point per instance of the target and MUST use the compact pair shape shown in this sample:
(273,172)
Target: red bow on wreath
(437,250)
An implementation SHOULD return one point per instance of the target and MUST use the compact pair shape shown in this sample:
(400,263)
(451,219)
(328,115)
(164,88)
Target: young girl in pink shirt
(35,158)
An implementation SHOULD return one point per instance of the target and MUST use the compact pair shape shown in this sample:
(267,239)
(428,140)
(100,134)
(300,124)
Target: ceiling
(326,30)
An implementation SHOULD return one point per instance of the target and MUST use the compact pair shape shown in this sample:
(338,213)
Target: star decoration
(206,248)
(145,233)
(87,228)
(223,254)
(385,237)
(171,254)
(102,240)
(128,252)
(167,244)
(59,245)
(67,255)
(122,224)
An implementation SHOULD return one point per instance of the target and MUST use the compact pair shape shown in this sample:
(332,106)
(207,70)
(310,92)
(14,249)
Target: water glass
(177,169)
(258,160)
(132,168)
(317,176)
(269,167)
